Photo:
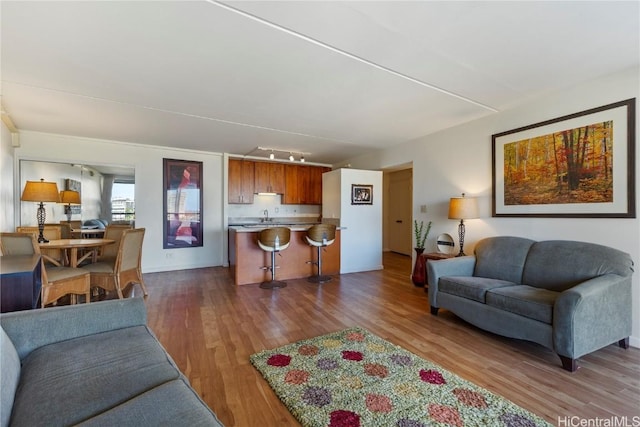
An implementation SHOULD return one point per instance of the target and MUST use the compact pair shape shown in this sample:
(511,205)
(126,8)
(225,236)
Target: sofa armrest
(31,329)
(459,266)
(591,315)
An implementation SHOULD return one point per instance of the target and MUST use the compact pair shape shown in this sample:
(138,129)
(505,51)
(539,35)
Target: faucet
(266,215)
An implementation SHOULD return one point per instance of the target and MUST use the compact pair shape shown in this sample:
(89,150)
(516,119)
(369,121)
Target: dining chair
(65,230)
(18,244)
(56,257)
(114,232)
(125,270)
(56,281)
(60,281)
(74,224)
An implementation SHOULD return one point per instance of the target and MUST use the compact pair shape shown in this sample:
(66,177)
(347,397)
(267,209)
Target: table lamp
(69,197)
(40,191)
(462,208)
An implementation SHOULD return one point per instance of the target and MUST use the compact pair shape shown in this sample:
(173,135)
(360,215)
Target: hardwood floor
(210,327)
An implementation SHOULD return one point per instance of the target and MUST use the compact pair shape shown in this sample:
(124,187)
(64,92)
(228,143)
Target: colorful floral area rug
(354,378)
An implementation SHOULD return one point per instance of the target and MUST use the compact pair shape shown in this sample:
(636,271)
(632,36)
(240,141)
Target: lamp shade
(70,197)
(40,191)
(463,208)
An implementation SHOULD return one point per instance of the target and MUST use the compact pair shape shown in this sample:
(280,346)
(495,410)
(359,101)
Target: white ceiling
(329,79)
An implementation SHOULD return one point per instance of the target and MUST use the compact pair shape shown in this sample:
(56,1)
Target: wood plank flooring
(210,327)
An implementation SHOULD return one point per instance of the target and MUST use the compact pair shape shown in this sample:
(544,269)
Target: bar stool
(320,236)
(273,239)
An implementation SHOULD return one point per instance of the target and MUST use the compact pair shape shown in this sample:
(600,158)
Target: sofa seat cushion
(182,408)
(70,381)
(469,287)
(528,301)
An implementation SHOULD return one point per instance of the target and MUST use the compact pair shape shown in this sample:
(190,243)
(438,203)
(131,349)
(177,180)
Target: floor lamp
(40,191)
(462,208)
(69,197)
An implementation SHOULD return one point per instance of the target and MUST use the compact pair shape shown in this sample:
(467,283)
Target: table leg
(73,261)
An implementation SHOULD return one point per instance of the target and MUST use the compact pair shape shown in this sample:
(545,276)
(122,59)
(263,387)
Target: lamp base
(67,212)
(461,237)
(41,216)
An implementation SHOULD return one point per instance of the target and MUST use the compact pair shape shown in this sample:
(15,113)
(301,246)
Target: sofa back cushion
(10,374)
(558,265)
(502,258)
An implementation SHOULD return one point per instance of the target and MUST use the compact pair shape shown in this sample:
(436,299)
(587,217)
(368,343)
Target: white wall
(6,180)
(147,162)
(361,237)
(459,160)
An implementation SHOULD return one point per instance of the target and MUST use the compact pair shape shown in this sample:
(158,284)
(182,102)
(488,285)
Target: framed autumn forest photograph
(579,165)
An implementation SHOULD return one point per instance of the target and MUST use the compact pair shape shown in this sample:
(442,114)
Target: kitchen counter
(246,258)
(250,228)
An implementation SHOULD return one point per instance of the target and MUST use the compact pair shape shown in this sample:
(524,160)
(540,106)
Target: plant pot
(419,275)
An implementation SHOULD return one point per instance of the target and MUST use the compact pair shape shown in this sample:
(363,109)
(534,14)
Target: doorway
(399,204)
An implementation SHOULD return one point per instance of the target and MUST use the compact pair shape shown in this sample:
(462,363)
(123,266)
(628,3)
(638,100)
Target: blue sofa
(572,297)
(93,365)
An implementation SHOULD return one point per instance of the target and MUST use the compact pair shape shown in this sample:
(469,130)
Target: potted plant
(418,277)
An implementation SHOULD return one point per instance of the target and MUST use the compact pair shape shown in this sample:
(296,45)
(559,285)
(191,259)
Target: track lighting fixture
(272,153)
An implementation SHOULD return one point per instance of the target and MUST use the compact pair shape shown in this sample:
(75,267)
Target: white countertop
(260,227)
(256,228)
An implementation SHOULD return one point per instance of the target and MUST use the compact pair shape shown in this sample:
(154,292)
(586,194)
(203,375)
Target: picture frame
(361,194)
(580,165)
(182,201)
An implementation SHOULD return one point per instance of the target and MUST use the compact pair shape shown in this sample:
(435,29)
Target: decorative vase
(419,271)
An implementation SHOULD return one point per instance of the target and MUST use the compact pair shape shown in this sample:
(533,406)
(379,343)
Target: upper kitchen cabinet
(269,177)
(315,184)
(296,179)
(241,181)
(303,185)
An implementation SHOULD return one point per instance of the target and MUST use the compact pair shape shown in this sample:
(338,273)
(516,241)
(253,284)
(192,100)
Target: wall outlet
(169,255)
(423,208)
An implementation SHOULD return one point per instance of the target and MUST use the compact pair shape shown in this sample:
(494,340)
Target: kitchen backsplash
(275,207)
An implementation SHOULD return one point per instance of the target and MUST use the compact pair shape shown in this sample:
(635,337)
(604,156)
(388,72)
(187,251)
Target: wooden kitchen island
(246,258)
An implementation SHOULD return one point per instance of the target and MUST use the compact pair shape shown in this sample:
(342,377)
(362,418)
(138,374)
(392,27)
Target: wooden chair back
(130,251)
(50,232)
(74,224)
(18,244)
(113,232)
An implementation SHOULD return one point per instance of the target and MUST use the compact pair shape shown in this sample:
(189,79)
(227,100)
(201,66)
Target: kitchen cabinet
(295,182)
(241,181)
(269,177)
(315,184)
(303,185)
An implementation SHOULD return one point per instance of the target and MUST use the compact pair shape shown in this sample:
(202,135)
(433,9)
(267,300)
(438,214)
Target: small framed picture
(361,194)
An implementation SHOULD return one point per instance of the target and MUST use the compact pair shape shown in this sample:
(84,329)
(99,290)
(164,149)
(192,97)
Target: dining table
(73,245)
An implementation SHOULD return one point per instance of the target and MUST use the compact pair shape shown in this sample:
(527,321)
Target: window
(123,205)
